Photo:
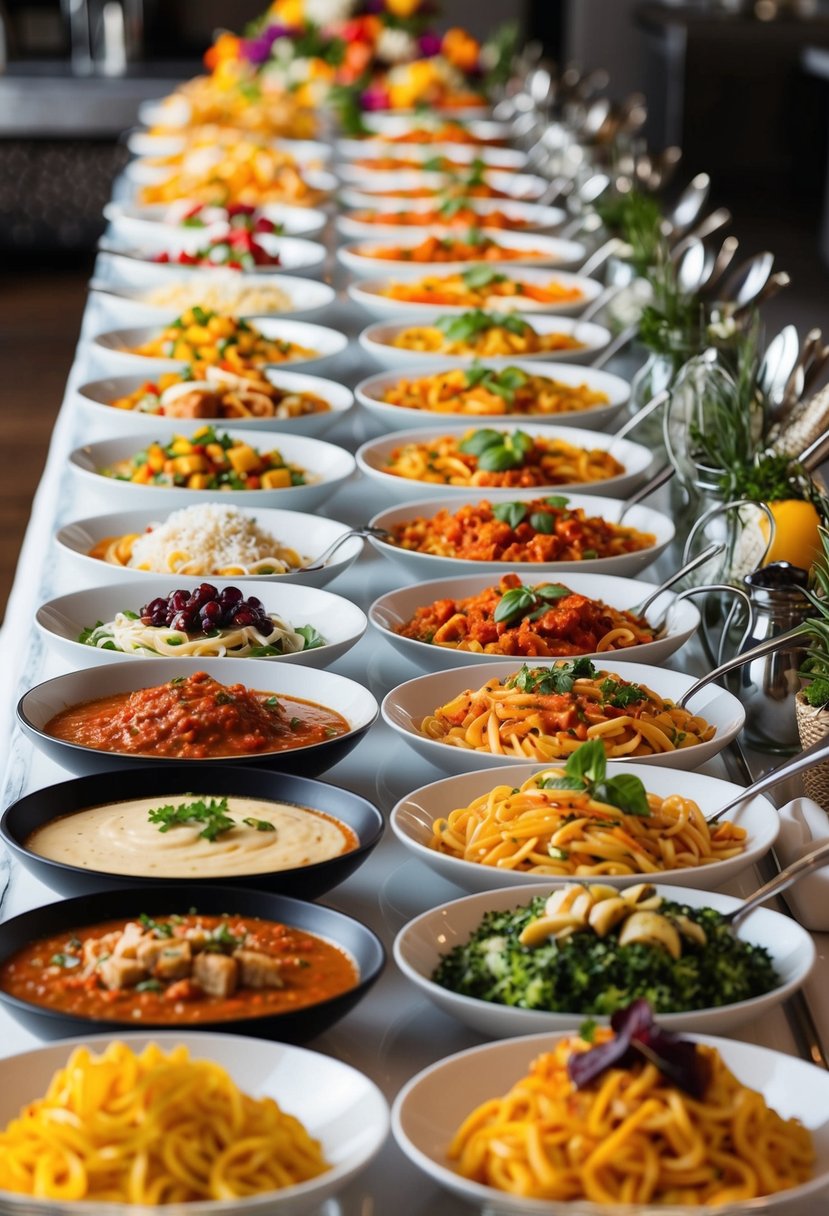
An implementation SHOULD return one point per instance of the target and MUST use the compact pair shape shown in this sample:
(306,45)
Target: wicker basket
(813,725)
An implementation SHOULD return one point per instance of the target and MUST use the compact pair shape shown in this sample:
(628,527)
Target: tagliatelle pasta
(573,833)
(153,1128)
(545,713)
(495,336)
(492,393)
(481,290)
(476,247)
(631,1136)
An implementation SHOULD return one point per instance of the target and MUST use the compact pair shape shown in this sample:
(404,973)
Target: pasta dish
(476,246)
(223,294)
(204,339)
(545,713)
(272,114)
(541,829)
(539,530)
(250,171)
(206,539)
(209,460)
(631,1135)
(440,133)
(451,213)
(488,392)
(221,394)
(483,287)
(500,458)
(514,619)
(153,1128)
(483,334)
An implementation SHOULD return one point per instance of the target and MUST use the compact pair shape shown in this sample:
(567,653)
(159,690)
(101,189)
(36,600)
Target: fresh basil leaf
(557,500)
(481,276)
(588,763)
(551,591)
(561,783)
(513,604)
(478,441)
(313,639)
(627,793)
(511,513)
(542,522)
(498,459)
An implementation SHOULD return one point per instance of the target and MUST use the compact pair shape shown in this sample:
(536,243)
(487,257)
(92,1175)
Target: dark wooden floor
(40,315)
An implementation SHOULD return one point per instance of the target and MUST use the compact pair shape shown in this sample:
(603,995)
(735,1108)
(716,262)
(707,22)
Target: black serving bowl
(162,782)
(295,1026)
(348,698)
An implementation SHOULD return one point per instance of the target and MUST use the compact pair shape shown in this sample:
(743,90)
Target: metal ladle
(790,768)
(789,640)
(690,203)
(713,550)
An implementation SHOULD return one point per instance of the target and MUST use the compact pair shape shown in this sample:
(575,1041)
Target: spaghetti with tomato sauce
(196,718)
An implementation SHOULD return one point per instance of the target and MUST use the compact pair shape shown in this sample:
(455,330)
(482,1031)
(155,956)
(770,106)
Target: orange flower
(403,8)
(224,48)
(358,56)
(461,49)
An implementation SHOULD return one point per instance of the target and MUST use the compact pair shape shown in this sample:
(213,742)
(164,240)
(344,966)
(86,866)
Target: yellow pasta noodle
(631,1136)
(567,833)
(153,1128)
(545,713)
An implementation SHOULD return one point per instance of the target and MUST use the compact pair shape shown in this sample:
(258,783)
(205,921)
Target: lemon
(796,535)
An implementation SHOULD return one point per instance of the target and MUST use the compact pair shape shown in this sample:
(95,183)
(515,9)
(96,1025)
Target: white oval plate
(296,254)
(389,123)
(125,301)
(373,455)
(61,620)
(533,217)
(394,609)
(405,707)
(95,399)
(330,467)
(524,187)
(369,294)
(136,223)
(337,1104)
(377,340)
(358,154)
(425,565)
(420,945)
(370,393)
(431,1107)
(309,535)
(536,250)
(147,144)
(413,816)
(114,348)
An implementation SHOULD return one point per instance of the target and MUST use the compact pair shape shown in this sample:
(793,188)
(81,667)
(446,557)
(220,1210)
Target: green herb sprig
(586,769)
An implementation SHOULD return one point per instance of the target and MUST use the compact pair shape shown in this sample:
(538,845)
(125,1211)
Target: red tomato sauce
(195,718)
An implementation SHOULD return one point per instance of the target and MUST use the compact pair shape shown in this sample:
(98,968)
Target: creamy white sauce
(118,838)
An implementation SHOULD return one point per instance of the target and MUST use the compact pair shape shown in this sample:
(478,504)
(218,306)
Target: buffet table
(393,1032)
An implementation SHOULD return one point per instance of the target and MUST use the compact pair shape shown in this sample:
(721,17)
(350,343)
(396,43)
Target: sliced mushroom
(651,929)
(607,913)
(643,895)
(690,929)
(538,931)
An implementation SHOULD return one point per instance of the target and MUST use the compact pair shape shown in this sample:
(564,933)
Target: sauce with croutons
(179,970)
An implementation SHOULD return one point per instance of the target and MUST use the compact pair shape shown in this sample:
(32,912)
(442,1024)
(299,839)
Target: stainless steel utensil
(650,487)
(790,768)
(807,864)
(686,568)
(781,641)
(690,203)
(323,558)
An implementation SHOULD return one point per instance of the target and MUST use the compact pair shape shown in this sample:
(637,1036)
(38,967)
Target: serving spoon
(781,882)
(790,768)
(322,560)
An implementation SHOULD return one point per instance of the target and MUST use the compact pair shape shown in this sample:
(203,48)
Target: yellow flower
(402,8)
(288,12)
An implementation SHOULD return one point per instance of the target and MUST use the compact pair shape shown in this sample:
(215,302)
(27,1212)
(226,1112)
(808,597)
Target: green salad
(584,973)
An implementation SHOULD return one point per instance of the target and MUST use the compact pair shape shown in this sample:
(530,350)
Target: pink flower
(375,97)
(429,43)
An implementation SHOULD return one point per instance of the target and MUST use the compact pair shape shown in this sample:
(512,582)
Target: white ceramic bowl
(328,467)
(360,153)
(372,458)
(309,535)
(526,186)
(95,399)
(61,620)
(405,707)
(368,293)
(413,816)
(114,349)
(377,340)
(126,305)
(148,144)
(536,249)
(296,254)
(431,1107)
(530,217)
(349,699)
(394,124)
(337,1104)
(428,565)
(395,608)
(370,394)
(134,222)
(422,943)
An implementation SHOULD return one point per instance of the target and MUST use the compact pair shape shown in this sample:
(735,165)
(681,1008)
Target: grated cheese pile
(210,539)
(223,295)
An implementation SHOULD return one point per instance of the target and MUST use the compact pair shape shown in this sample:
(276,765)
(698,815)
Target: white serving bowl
(328,466)
(394,124)
(429,1110)
(96,397)
(371,391)
(146,171)
(360,153)
(526,186)
(420,945)
(368,293)
(373,456)
(532,217)
(377,340)
(536,250)
(148,144)
(413,816)
(427,565)
(405,707)
(350,700)
(114,348)
(126,302)
(61,620)
(136,223)
(339,1106)
(296,254)
(309,535)
(392,610)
